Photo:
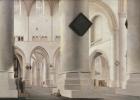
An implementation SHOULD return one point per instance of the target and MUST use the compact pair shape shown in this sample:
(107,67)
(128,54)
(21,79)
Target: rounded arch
(107,11)
(17,67)
(100,71)
(19,51)
(43,52)
(94,53)
(100,7)
(20,56)
(39,71)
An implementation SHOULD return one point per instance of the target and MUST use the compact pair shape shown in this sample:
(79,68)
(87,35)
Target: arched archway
(17,67)
(20,61)
(100,70)
(106,16)
(39,71)
(102,7)
(109,39)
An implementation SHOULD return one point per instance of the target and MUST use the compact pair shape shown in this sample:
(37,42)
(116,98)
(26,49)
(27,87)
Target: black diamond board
(80,24)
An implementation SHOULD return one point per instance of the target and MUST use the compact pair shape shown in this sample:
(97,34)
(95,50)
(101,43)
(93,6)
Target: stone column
(74,50)
(123,48)
(116,58)
(6,48)
(133,60)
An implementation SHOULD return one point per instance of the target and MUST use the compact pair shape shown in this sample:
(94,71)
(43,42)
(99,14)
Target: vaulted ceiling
(29,4)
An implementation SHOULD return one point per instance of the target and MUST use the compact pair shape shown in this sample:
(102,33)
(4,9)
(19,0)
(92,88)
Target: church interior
(42,55)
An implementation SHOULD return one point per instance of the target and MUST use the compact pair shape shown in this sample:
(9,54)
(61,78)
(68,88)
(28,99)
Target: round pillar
(133,48)
(6,34)
(6,49)
(74,51)
(133,61)
(74,48)
(123,48)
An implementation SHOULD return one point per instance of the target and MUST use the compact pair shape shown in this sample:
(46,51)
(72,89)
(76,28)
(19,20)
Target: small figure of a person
(58,93)
(21,85)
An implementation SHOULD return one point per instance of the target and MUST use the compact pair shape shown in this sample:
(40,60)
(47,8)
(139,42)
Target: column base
(132,87)
(80,85)
(7,86)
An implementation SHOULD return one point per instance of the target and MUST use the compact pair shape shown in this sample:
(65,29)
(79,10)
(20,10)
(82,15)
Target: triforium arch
(100,70)
(39,69)
(19,62)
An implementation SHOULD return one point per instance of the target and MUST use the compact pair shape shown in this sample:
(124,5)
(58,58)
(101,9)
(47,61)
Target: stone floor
(117,97)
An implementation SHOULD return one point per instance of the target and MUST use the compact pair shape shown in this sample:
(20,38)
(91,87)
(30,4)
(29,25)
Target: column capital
(115,30)
(122,14)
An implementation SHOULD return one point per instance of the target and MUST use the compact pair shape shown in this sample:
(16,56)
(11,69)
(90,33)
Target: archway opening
(18,62)
(39,68)
(17,66)
(100,70)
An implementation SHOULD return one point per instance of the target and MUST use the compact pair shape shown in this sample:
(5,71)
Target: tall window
(17,7)
(40,7)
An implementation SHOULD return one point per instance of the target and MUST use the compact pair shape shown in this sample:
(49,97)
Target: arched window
(40,7)
(17,7)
